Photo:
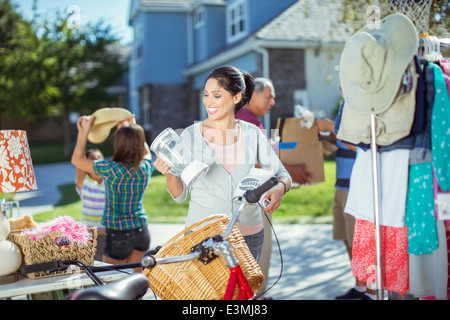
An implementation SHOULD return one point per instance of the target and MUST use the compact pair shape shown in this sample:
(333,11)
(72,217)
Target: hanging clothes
(420,214)
(440,126)
(393,178)
(409,148)
(392,124)
(396,129)
(395,266)
(429,271)
(420,217)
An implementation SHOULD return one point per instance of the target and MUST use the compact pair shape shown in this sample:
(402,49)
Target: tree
(65,69)
(18,60)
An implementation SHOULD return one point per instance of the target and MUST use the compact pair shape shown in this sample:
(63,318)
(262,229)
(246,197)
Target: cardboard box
(300,145)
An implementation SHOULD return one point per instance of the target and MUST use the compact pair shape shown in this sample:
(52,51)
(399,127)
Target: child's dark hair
(129,145)
(234,81)
(93,150)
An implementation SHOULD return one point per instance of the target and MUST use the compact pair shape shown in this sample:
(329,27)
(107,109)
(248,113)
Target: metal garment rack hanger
(376,196)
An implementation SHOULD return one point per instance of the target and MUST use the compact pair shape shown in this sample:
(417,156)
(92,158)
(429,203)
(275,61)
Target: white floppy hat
(104,120)
(373,63)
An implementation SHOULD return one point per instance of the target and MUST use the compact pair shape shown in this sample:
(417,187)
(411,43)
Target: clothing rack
(444,43)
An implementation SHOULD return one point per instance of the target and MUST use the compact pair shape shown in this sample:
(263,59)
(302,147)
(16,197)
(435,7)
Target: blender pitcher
(168,147)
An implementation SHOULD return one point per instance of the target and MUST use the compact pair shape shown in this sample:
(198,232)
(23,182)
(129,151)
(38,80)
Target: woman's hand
(161,166)
(174,184)
(84,124)
(274,195)
(130,120)
(79,160)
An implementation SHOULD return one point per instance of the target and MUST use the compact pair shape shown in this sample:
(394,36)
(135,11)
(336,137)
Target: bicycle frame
(237,278)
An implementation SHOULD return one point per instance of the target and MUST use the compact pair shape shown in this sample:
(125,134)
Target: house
(296,43)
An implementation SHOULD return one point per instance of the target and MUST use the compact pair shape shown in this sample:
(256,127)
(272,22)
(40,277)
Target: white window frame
(237,15)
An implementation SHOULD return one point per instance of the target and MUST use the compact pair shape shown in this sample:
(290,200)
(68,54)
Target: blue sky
(113,12)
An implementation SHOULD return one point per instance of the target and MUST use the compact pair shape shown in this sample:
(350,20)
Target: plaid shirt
(124,208)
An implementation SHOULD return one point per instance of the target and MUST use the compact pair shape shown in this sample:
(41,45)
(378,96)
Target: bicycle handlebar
(250,196)
(253,196)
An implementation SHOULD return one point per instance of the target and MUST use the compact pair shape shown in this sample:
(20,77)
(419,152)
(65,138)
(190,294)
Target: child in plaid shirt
(126,177)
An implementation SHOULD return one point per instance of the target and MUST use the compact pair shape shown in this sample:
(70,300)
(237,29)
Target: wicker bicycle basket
(44,248)
(194,280)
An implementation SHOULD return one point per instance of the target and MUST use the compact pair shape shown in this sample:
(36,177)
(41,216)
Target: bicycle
(136,285)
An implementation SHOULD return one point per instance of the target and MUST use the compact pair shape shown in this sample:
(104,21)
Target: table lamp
(16,175)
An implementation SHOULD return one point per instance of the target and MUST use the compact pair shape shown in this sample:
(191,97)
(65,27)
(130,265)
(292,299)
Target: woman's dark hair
(129,145)
(234,81)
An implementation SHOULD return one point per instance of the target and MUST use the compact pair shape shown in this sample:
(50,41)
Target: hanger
(437,48)
(424,45)
(429,48)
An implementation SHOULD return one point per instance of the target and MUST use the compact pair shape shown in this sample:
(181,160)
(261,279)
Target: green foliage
(311,203)
(50,68)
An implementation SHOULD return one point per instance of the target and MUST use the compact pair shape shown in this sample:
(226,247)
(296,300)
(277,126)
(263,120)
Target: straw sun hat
(373,63)
(104,120)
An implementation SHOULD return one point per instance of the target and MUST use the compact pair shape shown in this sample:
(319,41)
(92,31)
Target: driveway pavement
(48,178)
(313,266)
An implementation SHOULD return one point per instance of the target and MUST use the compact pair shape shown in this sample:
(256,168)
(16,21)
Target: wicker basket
(46,249)
(193,280)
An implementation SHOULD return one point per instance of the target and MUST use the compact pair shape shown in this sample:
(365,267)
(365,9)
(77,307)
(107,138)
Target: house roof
(304,24)
(164,3)
(306,20)
(159,6)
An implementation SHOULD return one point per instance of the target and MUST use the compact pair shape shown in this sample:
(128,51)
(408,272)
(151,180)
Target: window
(138,41)
(199,17)
(237,20)
(145,108)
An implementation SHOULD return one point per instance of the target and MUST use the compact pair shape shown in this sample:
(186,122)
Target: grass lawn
(307,204)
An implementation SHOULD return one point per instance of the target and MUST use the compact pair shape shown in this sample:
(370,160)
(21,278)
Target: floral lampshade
(16,167)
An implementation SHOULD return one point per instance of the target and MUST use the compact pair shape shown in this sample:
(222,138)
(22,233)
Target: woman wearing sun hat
(126,177)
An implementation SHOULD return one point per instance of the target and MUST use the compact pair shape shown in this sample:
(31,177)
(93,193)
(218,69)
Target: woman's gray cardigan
(213,194)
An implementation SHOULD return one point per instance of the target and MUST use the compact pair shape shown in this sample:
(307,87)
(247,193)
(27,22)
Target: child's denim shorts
(120,244)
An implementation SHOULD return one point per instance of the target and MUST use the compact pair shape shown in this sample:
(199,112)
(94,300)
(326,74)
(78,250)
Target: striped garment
(345,158)
(92,196)
(124,208)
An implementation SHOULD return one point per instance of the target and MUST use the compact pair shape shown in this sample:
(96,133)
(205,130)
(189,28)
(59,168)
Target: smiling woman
(231,148)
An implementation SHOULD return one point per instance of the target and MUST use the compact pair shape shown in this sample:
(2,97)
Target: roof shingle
(308,20)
